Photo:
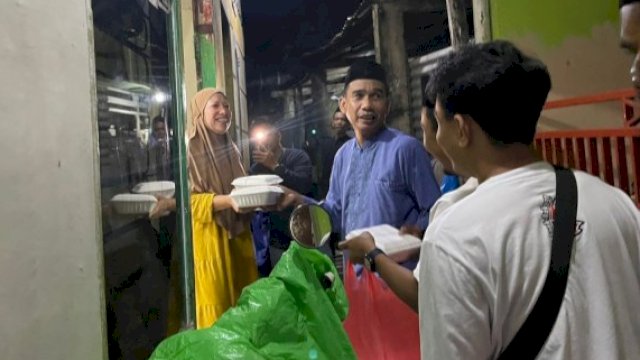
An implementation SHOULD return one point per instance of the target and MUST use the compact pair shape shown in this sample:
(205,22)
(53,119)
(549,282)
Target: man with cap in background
(381,176)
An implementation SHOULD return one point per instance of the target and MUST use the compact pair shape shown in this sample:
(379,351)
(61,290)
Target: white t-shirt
(485,260)
(444,202)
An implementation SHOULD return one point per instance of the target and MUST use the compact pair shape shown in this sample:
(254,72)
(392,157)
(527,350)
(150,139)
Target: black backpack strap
(537,327)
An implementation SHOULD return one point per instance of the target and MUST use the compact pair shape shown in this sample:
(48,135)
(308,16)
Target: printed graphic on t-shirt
(548,208)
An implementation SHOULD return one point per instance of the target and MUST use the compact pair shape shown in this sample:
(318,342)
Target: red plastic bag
(380,326)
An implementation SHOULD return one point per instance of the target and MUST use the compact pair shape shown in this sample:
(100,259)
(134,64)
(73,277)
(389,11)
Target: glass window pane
(134,99)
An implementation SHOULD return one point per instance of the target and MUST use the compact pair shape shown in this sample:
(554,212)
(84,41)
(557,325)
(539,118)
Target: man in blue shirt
(381,176)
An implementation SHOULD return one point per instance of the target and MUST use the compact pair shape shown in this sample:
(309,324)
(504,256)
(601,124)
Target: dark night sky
(277,32)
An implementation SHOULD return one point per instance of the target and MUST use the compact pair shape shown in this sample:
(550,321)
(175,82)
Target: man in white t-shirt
(484,261)
(429,127)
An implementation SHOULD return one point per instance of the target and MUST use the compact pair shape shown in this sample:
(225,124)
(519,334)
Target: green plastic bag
(288,315)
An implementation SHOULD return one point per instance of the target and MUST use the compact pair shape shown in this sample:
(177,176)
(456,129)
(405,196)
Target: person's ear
(343,106)
(463,129)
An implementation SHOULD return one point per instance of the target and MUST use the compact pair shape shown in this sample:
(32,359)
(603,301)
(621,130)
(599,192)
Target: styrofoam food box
(133,204)
(399,247)
(256,196)
(156,188)
(256,180)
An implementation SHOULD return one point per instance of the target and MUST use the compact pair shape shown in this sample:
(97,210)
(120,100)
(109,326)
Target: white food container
(156,188)
(399,247)
(133,204)
(256,196)
(256,180)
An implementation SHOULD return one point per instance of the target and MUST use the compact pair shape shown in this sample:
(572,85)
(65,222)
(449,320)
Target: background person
(294,167)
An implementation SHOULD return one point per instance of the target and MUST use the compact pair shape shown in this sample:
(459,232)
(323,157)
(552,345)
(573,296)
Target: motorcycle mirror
(310,225)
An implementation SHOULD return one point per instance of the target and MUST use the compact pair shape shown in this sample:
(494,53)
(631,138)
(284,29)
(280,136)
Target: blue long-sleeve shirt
(387,180)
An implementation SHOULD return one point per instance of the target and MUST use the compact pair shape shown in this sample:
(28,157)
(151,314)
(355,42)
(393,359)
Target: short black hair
(627,2)
(429,103)
(261,122)
(157,119)
(429,94)
(366,69)
(502,89)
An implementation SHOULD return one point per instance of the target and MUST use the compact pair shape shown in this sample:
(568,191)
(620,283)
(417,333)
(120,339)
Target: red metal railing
(611,154)
(625,97)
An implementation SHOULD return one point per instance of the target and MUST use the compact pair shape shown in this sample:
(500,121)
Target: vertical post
(481,20)
(299,118)
(391,53)
(218,43)
(320,115)
(458,26)
(185,250)
(189,68)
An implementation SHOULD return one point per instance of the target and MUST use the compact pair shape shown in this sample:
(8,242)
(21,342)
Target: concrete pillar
(319,118)
(52,300)
(289,104)
(299,116)
(288,111)
(458,26)
(190,75)
(481,20)
(218,43)
(391,53)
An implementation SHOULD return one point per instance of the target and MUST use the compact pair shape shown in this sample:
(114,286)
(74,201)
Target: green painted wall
(207,61)
(578,41)
(550,20)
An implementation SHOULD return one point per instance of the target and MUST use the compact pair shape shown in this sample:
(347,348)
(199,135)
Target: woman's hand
(237,208)
(223,202)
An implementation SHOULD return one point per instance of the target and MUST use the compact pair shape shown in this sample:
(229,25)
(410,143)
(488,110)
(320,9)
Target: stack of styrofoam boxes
(256,191)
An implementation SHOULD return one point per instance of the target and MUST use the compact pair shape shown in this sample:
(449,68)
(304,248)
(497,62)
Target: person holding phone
(295,169)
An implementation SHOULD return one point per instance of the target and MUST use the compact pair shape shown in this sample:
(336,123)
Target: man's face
(446,137)
(159,130)
(339,123)
(366,105)
(630,39)
(430,143)
(272,138)
(265,137)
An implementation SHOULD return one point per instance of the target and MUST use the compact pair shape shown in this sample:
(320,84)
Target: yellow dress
(222,266)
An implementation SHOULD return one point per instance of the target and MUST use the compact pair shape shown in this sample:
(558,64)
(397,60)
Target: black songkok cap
(366,69)
(627,2)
